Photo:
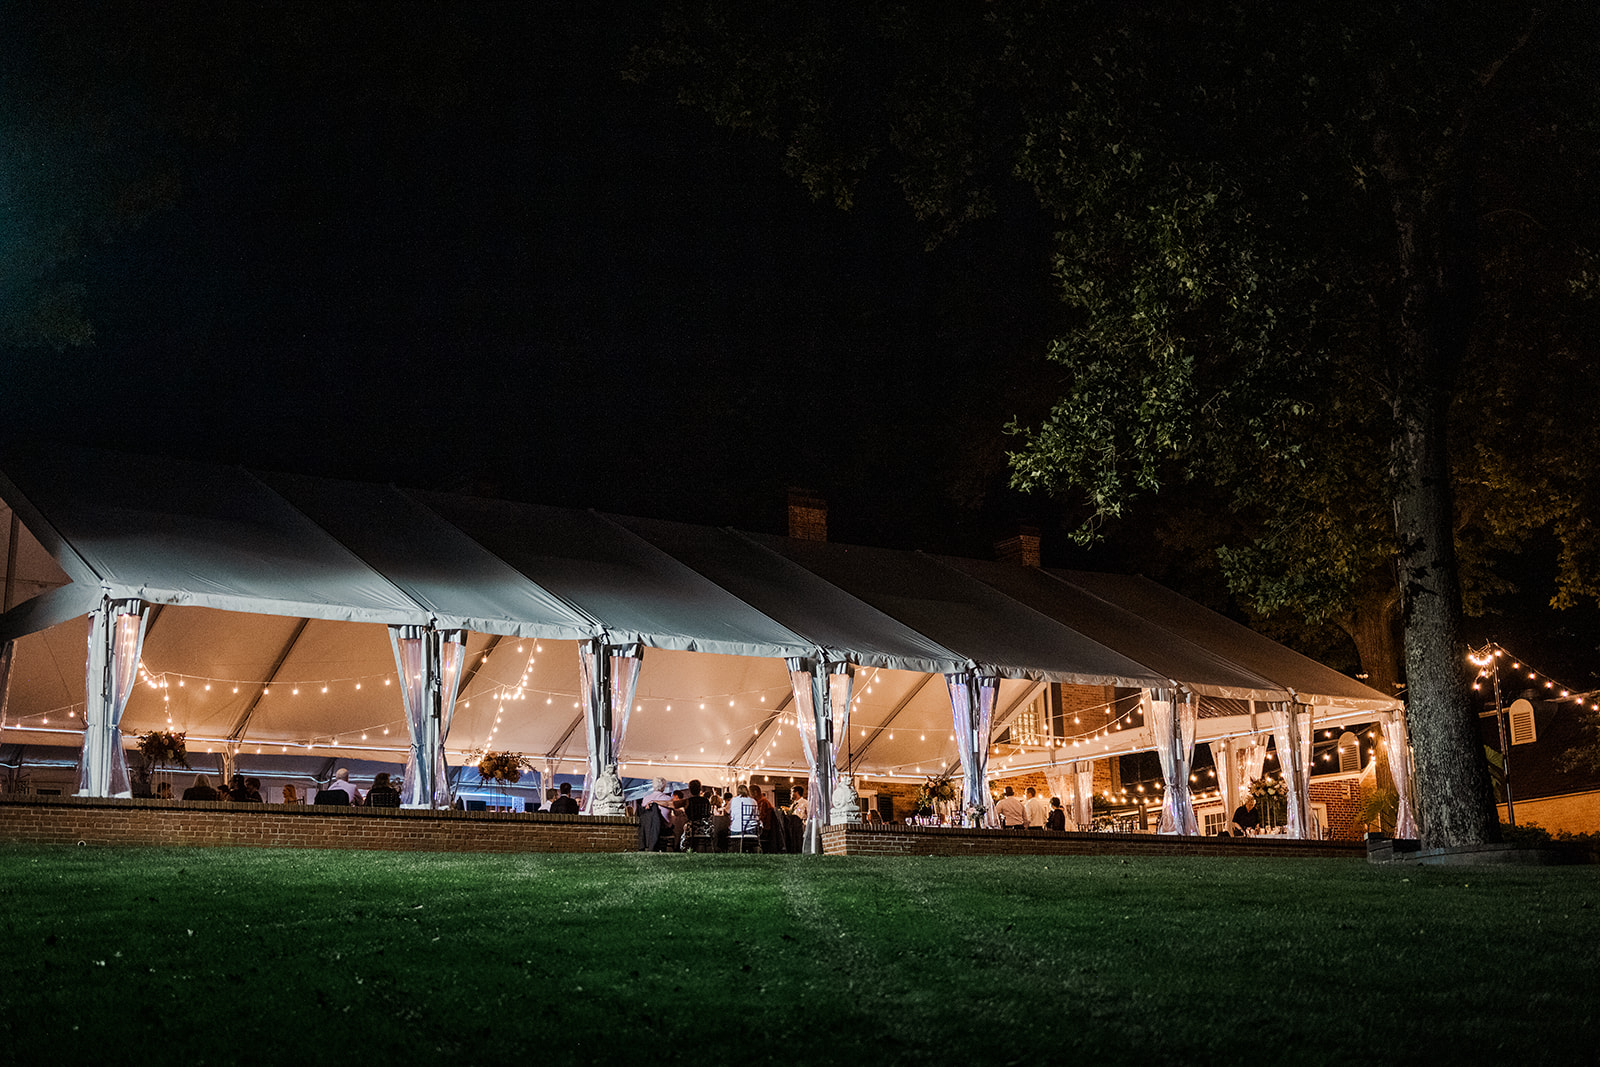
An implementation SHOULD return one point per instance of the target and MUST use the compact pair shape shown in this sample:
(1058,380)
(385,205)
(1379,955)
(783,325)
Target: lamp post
(1489,660)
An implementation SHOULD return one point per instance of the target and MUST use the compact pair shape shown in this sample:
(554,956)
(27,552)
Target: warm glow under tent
(272,607)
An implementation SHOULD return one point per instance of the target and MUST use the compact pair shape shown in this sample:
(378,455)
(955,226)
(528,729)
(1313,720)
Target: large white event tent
(274,616)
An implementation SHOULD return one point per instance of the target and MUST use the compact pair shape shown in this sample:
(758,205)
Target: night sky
(543,281)
(463,252)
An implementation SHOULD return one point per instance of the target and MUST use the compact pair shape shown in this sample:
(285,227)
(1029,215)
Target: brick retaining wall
(948,841)
(68,820)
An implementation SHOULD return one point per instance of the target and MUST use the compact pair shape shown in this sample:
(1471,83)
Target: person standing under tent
(563,803)
(799,808)
(1009,810)
(1035,810)
(1246,819)
(773,838)
(1057,819)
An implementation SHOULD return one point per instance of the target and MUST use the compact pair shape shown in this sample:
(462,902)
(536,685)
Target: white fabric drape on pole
(1252,761)
(1083,798)
(1394,738)
(430,662)
(1172,720)
(1226,759)
(1059,779)
(609,677)
(1294,762)
(972,697)
(7,652)
(823,691)
(1074,784)
(116,637)
(802,676)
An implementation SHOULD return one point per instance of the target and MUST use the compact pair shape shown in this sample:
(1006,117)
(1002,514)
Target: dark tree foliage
(1332,263)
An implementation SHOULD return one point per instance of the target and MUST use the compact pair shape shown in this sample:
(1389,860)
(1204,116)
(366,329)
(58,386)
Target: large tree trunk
(1434,293)
(1452,777)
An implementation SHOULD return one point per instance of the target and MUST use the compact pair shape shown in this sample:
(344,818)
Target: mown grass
(244,956)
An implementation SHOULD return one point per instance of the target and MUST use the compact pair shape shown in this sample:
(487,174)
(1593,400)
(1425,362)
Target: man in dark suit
(564,804)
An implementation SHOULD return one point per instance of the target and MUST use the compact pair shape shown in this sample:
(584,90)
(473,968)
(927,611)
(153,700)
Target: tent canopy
(273,593)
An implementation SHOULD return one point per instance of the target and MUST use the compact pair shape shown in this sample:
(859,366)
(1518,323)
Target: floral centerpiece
(1272,797)
(936,794)
(158,750)
(162,748)
(503,767)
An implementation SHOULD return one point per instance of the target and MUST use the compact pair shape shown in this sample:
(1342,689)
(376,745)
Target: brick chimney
(808,515)
(1022,549)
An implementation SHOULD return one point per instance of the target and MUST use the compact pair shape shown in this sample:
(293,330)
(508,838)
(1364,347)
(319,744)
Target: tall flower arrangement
(504,767)
(163,748)
(936,794)
(1272,797)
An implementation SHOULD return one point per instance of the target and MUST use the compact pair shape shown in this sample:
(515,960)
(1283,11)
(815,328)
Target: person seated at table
(382,794)
(655,818)
(341,781)
(774,835)
(697,837)
(164,791)
(1246,819)
(721,822)
(563,803)
(201,790)
(291,795)
(1057,819)
(744,822)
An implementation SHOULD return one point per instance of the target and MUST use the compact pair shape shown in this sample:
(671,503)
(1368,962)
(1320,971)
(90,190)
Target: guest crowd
(698,819)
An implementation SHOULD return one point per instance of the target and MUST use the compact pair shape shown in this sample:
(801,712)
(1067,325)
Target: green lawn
(349,958)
